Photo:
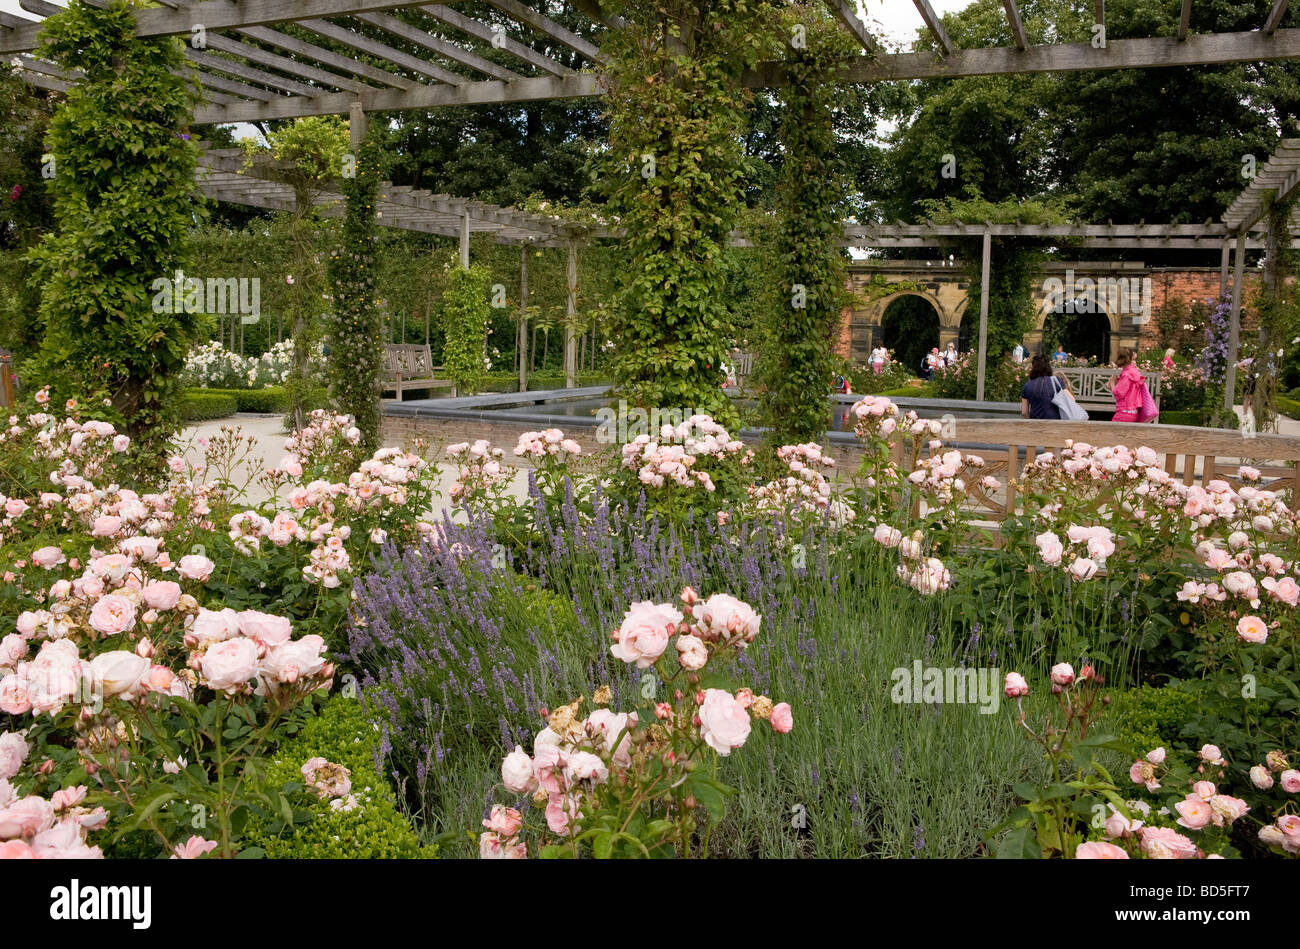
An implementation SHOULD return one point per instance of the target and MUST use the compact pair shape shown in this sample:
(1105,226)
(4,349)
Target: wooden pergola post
(1234,324)
(523,318)
(464,241)
(571,311)
(356,126)
(984,316)
(1223,270)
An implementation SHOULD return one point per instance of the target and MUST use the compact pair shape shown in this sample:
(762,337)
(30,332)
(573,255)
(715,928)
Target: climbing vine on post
(123,200)
(355,336)
(1277,307)
(675,175)
(311,154)
(808,274)
(464,314)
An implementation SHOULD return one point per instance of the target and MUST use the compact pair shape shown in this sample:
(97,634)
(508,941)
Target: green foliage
(675,174)
(1015,266)
(1149,717)
(1288,406)
(123,196)
(463,314)
(808,274)
(355,341)
(375,830)
(199,405)
(270,400)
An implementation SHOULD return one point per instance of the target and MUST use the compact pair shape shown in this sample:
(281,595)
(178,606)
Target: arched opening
(910,329)
(968,330)
(1079,327)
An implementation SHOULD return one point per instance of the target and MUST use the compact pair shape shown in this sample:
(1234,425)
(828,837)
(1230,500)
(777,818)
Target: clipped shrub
(1289,405)
(1149,717)
(199,406)
(375,829)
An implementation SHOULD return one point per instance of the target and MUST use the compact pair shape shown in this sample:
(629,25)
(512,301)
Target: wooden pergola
(391,55)
(260,60)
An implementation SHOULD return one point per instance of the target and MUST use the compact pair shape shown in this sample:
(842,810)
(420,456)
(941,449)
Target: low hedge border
(375,829)
(200,406)
(272,400)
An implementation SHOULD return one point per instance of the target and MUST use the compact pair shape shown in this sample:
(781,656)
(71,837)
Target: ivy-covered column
(808,275)
(123,199)
(355,335)
(675,177)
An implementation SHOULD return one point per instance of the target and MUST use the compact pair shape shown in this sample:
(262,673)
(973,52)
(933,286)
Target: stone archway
(910,327)
(1082,327)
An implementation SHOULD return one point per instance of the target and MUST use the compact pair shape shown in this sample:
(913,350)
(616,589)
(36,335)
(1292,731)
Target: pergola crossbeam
(1016,23)
(472,27)
(325,57)
(364,44)
(548,27)
(935,25)
(841,10)
(436,44)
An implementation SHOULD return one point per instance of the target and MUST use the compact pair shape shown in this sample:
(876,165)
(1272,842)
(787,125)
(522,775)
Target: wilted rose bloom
(1227,809)
(1261,778)
(491,846)
(1015,685)
(724,723)
(1099,850)
(1276,760)
(326,778)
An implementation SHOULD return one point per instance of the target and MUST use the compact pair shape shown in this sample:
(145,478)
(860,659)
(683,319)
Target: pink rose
(16,850)
(54,676)
(491,846)
(610,725)
(1083,569)
(112,615)
(161,594)
(1252,629)
(264,628)
(517,772)
(1099,850)
(560,810)
(1287,591)
(195,567)
(193,849)
(584,766)
(1204,790)
(1015,685)
(13,649)
(227,666)
(547,760)
(1049,548)
(292,661)
(213,626)
(644,634)
(14,698)
(13,752)
(505,821)
(691,652)
(1194,812)
(1062,674)
(29,622)
(49,557)
(68,797)
(140,547)
(65,840)
(1163,843)
(1290,781)
(1117,825)
(106,525)
(26,817)
(724,723)
(1211,754)
(1156,756)
(726,617)
(782,718)
(119,672)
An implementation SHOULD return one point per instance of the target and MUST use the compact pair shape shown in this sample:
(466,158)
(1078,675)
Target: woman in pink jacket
(1127,389)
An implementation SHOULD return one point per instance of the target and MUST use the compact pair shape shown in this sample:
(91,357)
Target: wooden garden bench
(410,366)
(1089,385)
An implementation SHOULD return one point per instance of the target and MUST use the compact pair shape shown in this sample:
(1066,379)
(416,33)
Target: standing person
(1037,394)
(950,354)
(1127,389)
(878,359)
(1169,358)
(932,362)
(1018,354)
(1060,355)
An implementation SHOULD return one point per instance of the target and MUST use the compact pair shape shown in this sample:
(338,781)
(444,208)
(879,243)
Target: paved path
(270,434)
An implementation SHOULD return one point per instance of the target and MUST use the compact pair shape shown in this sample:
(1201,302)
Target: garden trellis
(433,55)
